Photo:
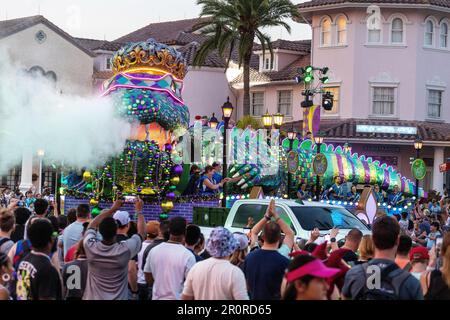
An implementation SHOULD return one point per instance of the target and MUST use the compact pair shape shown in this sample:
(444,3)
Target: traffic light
(327,100)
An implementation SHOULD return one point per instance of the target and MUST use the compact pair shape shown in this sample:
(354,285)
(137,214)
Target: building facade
(390,73)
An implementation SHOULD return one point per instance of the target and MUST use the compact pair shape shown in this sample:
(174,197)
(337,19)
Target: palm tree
(235,25)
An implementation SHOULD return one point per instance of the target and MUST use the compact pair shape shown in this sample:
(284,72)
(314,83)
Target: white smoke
(73,131)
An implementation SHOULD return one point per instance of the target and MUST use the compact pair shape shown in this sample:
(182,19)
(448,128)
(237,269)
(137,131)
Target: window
(257,103)
(434,103)
(326,32)
(444,35)
(342,30)
(268,63)
(49,178)
(335,91)
(397,31)
(429,30)
(285,102)
(326,218)
(383,101)
(108,63)
(245,211)
(374,36)
(12,179)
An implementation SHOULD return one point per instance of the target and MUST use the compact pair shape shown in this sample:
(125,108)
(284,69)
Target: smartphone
(130,199)
(438,246)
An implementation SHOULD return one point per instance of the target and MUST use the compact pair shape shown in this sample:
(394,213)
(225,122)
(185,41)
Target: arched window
(429,31)
(325,30)
(341,30)
(444,35)
(397,31)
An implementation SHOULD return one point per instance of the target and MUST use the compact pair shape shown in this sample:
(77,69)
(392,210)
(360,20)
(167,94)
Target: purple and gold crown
(150,54)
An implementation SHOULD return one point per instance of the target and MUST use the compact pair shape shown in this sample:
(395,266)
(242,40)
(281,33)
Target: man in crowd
(40,211)
(264,268)
(108,259)
(192,239)
(72,233)
(352,241)
(123,226)
(394,283)
(168,263)
(37,278)
(226,282)
(7,223)
(433,235)
(152,234)
(402,257)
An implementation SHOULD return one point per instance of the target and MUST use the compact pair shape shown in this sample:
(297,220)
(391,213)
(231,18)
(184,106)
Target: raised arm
(139,206)
(288,232)
(257,228)
(105,213)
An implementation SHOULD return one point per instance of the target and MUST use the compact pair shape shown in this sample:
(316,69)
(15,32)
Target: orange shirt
(401,262)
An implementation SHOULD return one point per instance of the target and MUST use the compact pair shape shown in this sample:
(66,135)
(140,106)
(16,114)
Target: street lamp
(227,111)
(291,136)
(267,120)
(278,119)
(213,122)
(318,139)
(41,154)
(418,144)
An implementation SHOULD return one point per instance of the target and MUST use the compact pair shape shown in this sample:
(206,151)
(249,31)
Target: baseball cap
(419,253)
(122,218)
(153,228)
(315,268)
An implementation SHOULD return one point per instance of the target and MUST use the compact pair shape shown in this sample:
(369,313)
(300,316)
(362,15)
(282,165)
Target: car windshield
(326,218)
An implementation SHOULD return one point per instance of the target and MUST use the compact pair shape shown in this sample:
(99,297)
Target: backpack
(23,248)
(389,286)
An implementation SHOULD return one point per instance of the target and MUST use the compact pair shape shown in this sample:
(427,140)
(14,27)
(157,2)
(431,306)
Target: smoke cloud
(73,131)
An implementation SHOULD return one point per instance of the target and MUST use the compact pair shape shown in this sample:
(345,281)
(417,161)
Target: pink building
(390,73)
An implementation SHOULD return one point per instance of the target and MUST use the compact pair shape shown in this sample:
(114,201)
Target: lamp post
(227,111)
(291,136)
(347,148)
(278,119)
(318,139)
(213,122)
(418,144)
(267,120)
(40,154)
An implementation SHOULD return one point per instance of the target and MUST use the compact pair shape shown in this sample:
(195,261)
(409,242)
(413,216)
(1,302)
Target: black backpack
(389,286)
(192,185)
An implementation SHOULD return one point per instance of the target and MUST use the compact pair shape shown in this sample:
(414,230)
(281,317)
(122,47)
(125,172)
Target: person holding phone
(436,282)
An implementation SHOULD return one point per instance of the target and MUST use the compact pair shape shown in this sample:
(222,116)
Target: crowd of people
(115,257)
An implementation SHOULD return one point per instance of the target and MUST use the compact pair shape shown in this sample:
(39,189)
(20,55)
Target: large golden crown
(150,54)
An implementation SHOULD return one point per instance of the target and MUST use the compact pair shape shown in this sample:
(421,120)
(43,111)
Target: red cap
(419,253)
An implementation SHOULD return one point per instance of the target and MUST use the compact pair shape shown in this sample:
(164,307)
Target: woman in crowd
(366,249)
(238,256)
(436,284)
(307,279)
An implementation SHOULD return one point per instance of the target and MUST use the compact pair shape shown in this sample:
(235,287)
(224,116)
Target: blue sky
(110,19)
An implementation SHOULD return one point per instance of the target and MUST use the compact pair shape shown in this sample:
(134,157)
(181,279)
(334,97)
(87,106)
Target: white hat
(122,218)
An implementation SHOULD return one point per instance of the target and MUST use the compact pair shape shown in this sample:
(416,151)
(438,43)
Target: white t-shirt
(169,264)
(140,275)
(215,279)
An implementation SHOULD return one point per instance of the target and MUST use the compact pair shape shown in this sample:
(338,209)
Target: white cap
(122,217)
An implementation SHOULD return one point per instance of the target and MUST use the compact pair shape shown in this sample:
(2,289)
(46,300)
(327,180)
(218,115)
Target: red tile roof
(317,3)
(346,129)
(165,32)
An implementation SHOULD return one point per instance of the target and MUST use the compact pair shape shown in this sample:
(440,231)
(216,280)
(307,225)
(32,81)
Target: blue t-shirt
(71,235)
(264,271)
(203,188)
(217,177)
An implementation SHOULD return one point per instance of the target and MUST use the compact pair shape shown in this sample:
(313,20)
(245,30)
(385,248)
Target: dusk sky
(111,19)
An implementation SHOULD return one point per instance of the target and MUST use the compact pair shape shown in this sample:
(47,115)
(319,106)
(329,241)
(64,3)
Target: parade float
(147,90)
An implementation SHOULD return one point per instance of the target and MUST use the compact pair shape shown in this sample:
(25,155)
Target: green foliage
(246,121)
